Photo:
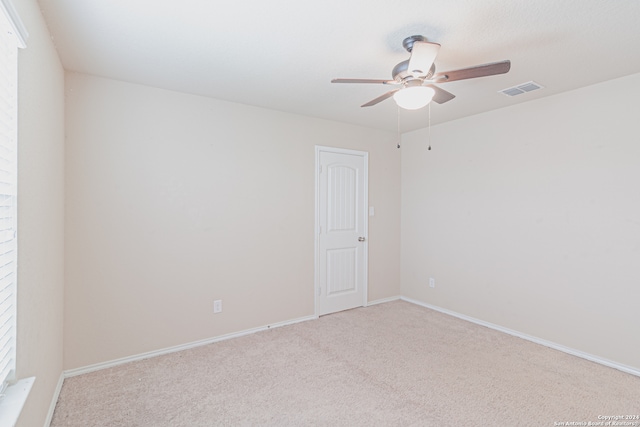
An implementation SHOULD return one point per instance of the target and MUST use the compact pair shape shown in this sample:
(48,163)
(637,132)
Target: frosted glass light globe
(414,97)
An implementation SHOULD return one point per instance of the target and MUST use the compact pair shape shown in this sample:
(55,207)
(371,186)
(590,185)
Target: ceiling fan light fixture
(414,97)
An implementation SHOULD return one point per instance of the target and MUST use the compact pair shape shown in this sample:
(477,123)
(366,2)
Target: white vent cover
(520,89)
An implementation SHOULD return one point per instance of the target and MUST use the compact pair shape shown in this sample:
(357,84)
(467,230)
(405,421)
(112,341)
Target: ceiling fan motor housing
(401,74)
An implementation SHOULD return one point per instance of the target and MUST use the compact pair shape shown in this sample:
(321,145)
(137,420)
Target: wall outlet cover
(217,306)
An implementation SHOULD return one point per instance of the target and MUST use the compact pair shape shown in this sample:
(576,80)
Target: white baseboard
(104,365)
(568,350)
(112,363)
(383,300)
(54,401)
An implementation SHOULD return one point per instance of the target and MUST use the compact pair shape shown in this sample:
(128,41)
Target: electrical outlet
(432,282)
(217,306)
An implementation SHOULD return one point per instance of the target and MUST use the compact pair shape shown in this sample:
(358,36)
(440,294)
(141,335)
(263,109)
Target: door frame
(316,269)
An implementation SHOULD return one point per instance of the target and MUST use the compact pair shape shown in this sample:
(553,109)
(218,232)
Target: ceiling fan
(416,76)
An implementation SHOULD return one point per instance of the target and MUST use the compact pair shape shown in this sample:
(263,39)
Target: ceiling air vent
(520,89)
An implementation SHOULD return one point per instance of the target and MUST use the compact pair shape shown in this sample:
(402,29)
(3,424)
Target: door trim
(316,232)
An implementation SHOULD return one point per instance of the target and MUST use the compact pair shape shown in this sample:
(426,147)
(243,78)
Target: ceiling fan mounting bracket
(409,41)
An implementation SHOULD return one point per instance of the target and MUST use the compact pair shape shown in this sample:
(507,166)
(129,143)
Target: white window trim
(20,30)
(13,400)
(15,395)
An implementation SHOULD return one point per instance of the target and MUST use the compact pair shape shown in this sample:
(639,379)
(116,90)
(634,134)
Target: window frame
(13,36)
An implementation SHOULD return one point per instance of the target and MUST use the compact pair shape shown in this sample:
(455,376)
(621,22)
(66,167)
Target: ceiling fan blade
(385,82)
(473,72)
(422,56)
(441,95)
(380,98)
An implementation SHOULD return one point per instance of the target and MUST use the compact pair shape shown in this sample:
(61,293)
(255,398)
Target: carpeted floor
(393,364)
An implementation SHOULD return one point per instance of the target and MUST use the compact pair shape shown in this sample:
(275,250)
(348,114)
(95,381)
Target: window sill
(13,401)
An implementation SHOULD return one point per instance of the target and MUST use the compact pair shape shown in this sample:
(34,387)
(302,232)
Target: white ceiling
(282,54)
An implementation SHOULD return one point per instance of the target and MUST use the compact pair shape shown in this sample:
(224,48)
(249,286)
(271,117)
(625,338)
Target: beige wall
(174,200)
(529,218)
(40,215)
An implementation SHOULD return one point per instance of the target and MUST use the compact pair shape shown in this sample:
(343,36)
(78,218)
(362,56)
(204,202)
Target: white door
(341,226)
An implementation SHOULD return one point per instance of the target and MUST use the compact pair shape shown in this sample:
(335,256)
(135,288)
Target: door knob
(361,239)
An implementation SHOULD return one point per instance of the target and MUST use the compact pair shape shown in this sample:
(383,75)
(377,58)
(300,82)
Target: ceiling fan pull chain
(398,126)
(429,127)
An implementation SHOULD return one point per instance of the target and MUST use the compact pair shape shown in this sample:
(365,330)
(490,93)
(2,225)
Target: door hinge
(319,291)
(320,168)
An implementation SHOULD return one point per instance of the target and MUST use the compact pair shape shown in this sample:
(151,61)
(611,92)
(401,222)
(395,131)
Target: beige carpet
(394,364)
